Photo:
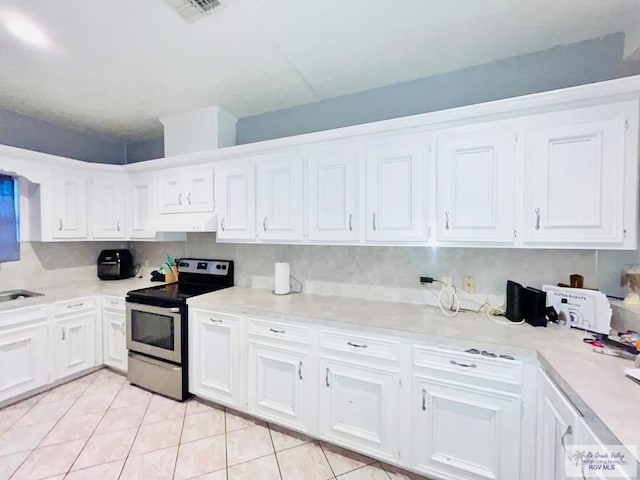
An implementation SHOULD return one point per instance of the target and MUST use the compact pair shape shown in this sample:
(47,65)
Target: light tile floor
(100,427)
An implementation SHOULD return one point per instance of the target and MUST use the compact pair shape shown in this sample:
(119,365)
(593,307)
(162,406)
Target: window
(9,219)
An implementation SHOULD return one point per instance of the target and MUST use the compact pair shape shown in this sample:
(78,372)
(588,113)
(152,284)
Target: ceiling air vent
(193,10)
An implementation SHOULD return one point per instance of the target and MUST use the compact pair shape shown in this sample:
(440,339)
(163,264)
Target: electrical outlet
(447,281)
(469,284)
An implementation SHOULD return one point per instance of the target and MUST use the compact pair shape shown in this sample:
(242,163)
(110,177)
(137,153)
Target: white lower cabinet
(462,431)
(24,361)
(358,407)
(114,337)
(73,339)
(215,344)
(279,384)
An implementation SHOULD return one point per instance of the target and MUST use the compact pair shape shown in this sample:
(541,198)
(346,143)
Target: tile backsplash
(390,273)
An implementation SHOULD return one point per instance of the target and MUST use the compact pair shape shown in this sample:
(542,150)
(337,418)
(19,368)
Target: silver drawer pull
(300,370)
(465,365)
(215,320)
(275,330)
(537,212)
(362,345)
(424,399)
(326,378)
(75,305)
(114,303)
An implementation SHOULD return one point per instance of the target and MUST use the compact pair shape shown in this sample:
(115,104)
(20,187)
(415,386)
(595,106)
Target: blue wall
(564,66)
(25,132)
(145,150)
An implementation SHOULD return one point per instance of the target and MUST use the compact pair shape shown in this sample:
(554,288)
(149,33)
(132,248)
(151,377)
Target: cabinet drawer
(74,305)
(360,345)
(279,330)
(497,369)
(113,303)
(22,315)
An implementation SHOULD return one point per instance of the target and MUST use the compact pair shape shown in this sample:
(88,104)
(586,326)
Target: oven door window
(153,329)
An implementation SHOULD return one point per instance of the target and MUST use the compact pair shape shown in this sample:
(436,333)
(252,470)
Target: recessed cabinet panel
(198,189)
(574,179)
(171,197)
(142,206)
(74,343)
(333,195)
(475,187)
(23,359)
(114,340)
(108,207)
(488,449)
(396,184)
(358,407)
(69,219)
(280,200)
(278,384)
(235,200)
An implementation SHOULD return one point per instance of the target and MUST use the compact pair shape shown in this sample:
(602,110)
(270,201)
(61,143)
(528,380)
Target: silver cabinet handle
(189,198)
(75,305)
(180,199)
(537,210)
(350,223)
(374,222)
(326,378)
(264,224)
(64,333)
(222,224)
(118,225)
(59,224)
(465,365)
(446,220)
(114,303)
(568,431)
(122,328)
(215,320)
(275,330)
(424,399)
(300,370)
(356,345)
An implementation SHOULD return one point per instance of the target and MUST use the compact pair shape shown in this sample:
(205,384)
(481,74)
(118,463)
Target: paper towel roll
(281,278)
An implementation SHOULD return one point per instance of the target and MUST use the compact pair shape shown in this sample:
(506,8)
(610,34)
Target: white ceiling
(115,66)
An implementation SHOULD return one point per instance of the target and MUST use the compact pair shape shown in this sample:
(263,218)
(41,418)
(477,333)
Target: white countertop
(68,290)
(595,383)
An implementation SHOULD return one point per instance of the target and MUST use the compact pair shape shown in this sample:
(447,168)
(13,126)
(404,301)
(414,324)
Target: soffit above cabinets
(116,67)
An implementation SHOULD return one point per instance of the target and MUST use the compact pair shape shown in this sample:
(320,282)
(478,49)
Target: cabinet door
(278,386)
(556,430)
(108,206)
(574,180)
(333,194)
(23,359)
(170,186)
(358,407)
(475,175)
(74,344)
(114,339)
(235,194)
(69,218)
(487,443)
(142,206)
(279,198)
(198,189)
(396,185)
(215,358)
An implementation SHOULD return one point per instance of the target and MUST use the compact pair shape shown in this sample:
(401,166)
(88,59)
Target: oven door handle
(174,310)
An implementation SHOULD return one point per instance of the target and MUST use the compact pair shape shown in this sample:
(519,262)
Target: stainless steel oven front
(155,331)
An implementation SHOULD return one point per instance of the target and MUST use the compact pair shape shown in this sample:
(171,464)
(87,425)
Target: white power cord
(454,308)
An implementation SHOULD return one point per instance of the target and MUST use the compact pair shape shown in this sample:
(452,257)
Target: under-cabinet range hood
(183,222)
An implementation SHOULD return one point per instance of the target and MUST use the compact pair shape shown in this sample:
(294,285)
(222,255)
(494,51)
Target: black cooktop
(196,277)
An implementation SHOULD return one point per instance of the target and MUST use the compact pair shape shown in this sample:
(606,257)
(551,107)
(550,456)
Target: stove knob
(218,267)
(224,267)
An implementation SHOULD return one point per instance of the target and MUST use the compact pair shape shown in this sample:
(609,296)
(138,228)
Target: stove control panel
(210,267)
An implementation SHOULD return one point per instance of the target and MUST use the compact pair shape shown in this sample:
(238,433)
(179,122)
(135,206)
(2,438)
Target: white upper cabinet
(235,194)
(187,189)
(69,202)
(580,177)
(280,198)
(475,185)
(142,205)
(108,218)
(396,185)
(333,194)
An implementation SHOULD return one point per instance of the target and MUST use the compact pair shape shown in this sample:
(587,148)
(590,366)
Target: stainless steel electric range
(157,325)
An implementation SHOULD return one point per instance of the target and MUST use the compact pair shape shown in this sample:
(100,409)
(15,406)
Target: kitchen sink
(9,295)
